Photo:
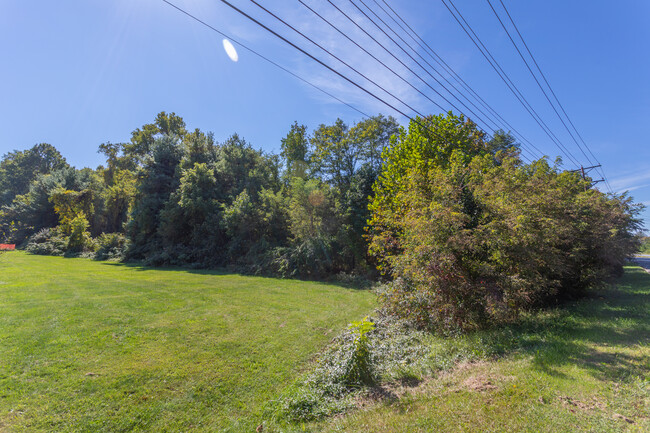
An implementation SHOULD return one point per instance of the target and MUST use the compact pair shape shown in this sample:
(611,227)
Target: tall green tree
(295,152)
(310,209)
(116,160)
(158,179)
(503,144)
(33,211)
(373,136)
(19,168)
(199,147)
(334,156)
(190,220)
(239,167)
(143,139)
(118,198)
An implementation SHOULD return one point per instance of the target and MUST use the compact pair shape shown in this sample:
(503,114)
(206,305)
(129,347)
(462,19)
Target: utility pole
(584,170)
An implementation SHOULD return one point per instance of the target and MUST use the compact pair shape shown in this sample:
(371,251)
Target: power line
(552,92)
(448,69)
(537,81)
(506,79)
(370,54)
(384,48)
(431,52)
(431,67)
(418,63)
(325,65)
(415,120)
(513,88)
(336,57)
(392,55)
(264,57)
(400,61)
(396,58)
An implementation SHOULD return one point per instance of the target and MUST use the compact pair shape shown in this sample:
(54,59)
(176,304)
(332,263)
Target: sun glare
(230,50)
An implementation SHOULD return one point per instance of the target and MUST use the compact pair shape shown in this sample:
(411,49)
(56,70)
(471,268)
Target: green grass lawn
(580,368)
(98,346)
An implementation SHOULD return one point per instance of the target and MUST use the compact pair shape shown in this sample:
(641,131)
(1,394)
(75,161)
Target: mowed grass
(105,347)
(580,368)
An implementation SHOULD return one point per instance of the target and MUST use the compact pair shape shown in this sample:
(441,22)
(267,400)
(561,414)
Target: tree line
(171,196)
(464,232)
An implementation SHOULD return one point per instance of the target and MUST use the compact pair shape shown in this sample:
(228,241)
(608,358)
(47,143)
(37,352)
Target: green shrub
(472,239)
(366,353)
(79,239)
(644,247)
(49,242)
(309,259)
(111,246)
(359,368)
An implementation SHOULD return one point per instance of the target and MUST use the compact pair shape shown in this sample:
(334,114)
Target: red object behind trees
(5,247)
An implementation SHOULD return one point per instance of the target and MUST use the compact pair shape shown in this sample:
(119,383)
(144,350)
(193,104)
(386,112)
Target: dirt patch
(447,381)
(623,418)
(592,404)
(479,384)
(374,395)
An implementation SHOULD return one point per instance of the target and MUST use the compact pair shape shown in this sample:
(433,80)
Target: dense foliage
(174,197)
(467,233)
(472,236)
(645,245)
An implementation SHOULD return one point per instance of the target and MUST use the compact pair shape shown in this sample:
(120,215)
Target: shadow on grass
(601,334)
(140,267)
(226,272)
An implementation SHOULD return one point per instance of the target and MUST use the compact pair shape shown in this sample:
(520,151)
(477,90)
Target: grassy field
(105,347)
(97,346)
(581,368)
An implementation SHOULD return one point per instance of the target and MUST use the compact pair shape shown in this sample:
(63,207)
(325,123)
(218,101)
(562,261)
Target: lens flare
(230,50)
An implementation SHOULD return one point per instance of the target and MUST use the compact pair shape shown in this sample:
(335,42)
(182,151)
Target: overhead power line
(276,34)
(354,22)
(431,67)
(390,53)
(424,46)
(506,79)
(367,33)
(264,57)
(460,92)
(292,73)
(396,74)
(337,58)
(417,121)
(537,81)
(325,65)
(599,165)
(419,64)
(370,54)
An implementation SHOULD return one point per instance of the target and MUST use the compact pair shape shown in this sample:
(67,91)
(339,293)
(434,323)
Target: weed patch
(583,366)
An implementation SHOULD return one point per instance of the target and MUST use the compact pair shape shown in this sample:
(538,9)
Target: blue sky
(79,73)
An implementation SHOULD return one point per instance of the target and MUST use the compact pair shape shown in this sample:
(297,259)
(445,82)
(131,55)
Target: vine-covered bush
(473,237)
